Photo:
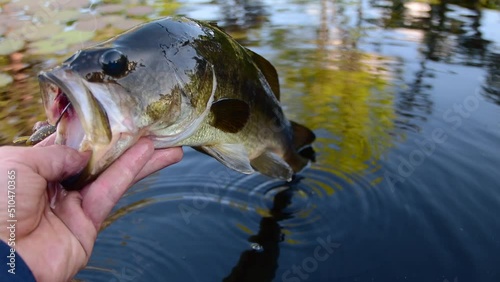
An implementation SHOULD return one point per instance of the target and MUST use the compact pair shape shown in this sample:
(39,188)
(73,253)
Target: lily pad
(9,46)
(4,19)
(5,79)
(90,25)
(60,42)
(76,4)
(111,18)
(110,8)
(140,10)
(66,15)
(126,23)
(88,16)
(11,8)
(27,4)
(39,32)
(47,46)
(74,36)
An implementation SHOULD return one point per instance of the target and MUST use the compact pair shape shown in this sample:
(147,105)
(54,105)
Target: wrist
(52,259)
(13,266)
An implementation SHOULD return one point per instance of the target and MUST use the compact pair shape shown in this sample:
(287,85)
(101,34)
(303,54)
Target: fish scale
(180,82)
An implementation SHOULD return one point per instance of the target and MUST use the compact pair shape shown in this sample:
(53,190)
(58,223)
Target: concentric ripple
(188,223)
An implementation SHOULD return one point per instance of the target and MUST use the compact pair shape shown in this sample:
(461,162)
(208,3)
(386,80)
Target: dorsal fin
(268,71)
(215,24)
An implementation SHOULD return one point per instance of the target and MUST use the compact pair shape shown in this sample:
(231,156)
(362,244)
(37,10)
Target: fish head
(104,98)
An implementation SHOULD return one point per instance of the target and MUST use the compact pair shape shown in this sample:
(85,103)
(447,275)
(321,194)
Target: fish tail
(297,156)
(302,152)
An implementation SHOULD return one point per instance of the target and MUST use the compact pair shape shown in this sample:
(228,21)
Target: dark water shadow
(261,263)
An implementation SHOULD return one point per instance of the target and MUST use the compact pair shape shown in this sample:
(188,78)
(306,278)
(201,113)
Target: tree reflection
(446,38)
(491,86)
(240,15)
(345,91)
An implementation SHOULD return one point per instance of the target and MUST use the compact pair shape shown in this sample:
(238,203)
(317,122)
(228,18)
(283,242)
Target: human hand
(56,243)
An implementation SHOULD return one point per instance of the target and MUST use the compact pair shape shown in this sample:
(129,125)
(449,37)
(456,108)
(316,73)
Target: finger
(47,141)
(54,162)
(101,195)
(160,159)
(69,210)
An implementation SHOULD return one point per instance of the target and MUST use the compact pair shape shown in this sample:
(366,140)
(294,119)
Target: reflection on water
(491,85)
(403,97)
(347,93)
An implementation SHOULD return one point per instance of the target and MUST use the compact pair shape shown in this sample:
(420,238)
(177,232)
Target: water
(404,99)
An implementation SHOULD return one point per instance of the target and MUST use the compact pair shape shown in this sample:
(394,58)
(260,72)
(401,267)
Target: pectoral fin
(271,165)
(231,155)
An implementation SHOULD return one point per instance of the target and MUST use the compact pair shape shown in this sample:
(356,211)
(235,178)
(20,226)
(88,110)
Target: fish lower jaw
(70,133)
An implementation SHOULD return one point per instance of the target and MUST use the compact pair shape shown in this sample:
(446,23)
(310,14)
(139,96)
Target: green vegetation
(32,32)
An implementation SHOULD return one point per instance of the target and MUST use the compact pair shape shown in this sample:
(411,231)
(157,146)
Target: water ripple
(211,203)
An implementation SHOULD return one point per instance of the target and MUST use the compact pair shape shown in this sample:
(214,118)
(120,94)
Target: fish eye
(114,63)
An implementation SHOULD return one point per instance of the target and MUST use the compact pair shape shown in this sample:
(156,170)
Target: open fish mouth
(87,119)
(69,128)
(80,119)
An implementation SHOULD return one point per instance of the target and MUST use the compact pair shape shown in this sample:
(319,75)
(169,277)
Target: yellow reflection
(245,229)
(124,211)
(346,93)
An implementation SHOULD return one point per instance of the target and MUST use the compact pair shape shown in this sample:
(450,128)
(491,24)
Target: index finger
(47,141)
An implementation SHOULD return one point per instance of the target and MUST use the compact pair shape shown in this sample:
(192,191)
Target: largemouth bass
(179,82)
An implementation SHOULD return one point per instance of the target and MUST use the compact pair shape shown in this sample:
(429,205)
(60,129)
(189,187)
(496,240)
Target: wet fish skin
(180,82)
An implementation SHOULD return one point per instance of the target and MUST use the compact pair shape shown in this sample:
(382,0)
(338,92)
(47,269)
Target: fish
(179,82)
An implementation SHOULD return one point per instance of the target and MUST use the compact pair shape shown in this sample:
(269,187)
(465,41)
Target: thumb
(55,162)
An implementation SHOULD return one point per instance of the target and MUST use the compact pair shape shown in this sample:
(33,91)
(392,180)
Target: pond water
(404,98)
